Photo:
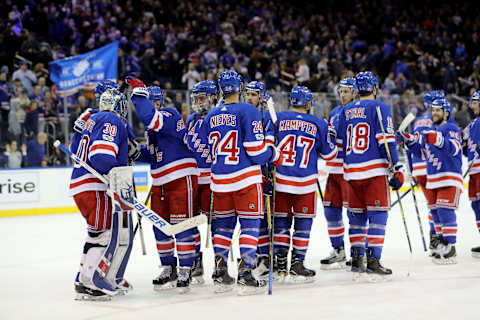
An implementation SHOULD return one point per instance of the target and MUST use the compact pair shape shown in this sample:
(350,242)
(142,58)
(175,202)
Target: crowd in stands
(411,46)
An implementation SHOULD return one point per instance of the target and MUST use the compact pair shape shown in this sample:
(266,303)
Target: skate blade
(358,276)
(375,278)
(250,291)
(197,281)
(165,287)
(476,255)
(334,266)
(87,297)
(292,279)
(183,290)
(222,288)
(280,278)
(443,261)
(259,272)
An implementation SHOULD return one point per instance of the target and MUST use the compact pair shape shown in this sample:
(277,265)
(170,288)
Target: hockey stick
(320,190)
(270,220)
(412,186)
(387,149)
(144,211)
(209,221)
(139,223)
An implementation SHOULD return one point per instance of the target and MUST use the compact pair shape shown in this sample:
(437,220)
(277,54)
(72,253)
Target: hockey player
(441,146)
(302,138)
(237,142)
(472,134)
(256,95)
(366,168)
(335,192)
(103,144)
(175,182)
(203,95)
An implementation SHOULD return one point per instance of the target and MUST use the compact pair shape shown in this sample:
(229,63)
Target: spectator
(303,73)
(31,119)
(191,76)
(26,76)
(36,151)
(462,116)
(4,105)
(14,158)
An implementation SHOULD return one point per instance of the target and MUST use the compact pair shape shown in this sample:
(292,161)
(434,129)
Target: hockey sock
(224,227)
(301,235)
(436,222)
(336,228)
(165,247)
(377,221)
(476,209)
(263,238)
(448,219)
(430,222)
(357,230)
(186,247)
(249,240)
(196,236)
(281,238)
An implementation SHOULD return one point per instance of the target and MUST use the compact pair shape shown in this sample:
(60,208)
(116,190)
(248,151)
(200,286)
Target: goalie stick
(157,221)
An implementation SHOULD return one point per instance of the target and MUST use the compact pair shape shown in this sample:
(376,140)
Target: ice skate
(358,264)
(84,293)
(167,278)
(282,268)
(445,254)
(262,268)
(335,261)
(298,272)
(221,279)
(376,272)
(124,287)
(197,272)
(476,252)
(246,283)
(183,281)
(435,241)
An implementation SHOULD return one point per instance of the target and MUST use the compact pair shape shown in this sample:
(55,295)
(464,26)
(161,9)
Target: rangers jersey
(302,138)
(235,135)
(363,142)
(336,165)
(168,155)
(472,133)
(199,147)
(417,164)
(444,165)
(103,144)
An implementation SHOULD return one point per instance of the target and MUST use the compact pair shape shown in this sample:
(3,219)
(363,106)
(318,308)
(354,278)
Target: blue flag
(85,70)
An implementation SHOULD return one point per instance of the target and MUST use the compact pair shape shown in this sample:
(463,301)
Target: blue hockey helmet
(444,104)
(103,86)
(230,82)
(300,96)
(365,82)
(207,88)
(475,96)
(347,82)
(427,98)
(259,87)
(155,94)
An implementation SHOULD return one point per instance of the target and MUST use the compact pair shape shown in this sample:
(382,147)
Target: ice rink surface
(39,257)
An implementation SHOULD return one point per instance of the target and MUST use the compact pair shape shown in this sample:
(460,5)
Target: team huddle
(236,160)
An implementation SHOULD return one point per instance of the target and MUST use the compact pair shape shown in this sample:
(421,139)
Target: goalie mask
(113,100)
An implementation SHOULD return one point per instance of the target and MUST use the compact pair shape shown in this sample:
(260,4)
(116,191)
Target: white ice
(39,257)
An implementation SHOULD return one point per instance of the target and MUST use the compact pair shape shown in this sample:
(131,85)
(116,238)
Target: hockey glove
(267,187)
(79,124)
(403,136)
(134,82)
(133,150)
(433,137)
(332,133)
(397,178)
(277,158)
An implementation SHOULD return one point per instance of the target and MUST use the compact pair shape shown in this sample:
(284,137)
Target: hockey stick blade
(406,122)
(188,224)
(271,110)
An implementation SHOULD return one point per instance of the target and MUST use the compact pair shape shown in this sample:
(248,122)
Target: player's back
(103,144)
(302,138)
(335,166)
(235,135)
(422,123)
(362,137)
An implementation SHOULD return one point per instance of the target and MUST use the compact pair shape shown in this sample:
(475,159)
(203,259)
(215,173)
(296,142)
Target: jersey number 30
(288,145)
(358,138)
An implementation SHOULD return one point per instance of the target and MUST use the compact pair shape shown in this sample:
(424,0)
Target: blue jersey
(335,166)
(302,138)
(166,151)
(237,142)
(363,142)
(417,163)
(103,144)
(444,165)
(199,147)
(472,134)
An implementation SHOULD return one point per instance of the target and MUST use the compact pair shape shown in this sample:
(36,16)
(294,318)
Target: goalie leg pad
(121,183)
